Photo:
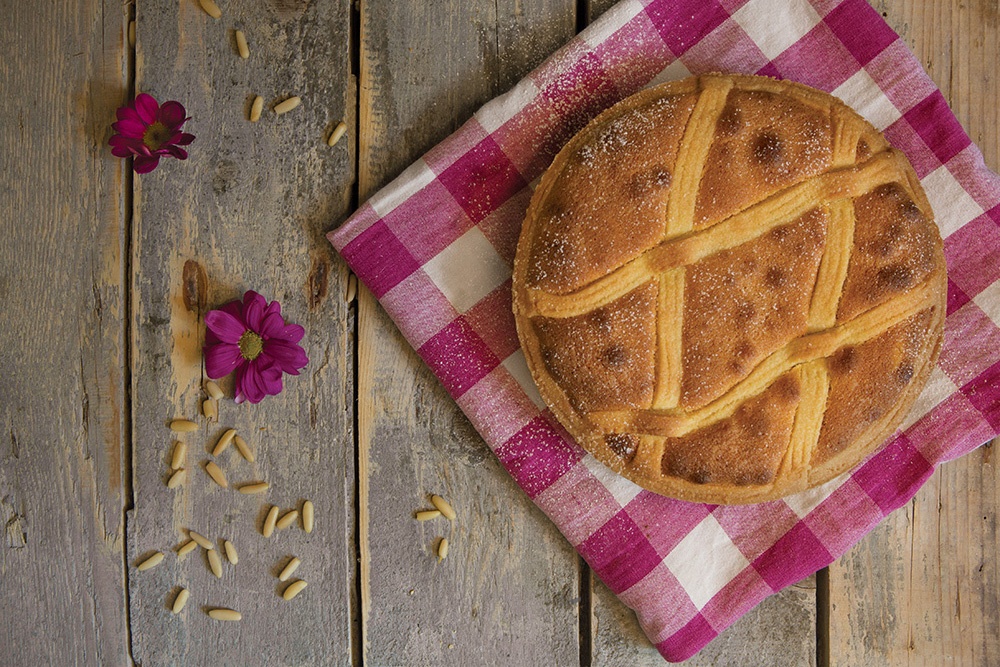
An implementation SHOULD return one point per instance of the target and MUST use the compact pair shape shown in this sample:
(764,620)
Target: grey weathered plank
(922,588)
(248,210)
(61,407)
(508,593)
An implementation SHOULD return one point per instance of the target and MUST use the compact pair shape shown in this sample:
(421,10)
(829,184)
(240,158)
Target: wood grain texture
(922,588)
(248,210)
(61,281)
(508,592)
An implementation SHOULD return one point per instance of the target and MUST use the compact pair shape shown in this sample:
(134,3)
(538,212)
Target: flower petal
(127,112)
(129,128)
(288,356)
(147,107)
(272,325)
(143,164)
(176,151)
(250,384)
(222,359)
(225,326)
(121,151)
(253,309)
(172,114)
(293,333)
(183,140)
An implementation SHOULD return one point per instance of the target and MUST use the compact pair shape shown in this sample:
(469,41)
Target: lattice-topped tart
(730,288)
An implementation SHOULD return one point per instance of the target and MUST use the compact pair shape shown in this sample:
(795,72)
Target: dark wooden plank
(921,589)
(61,280)
(508,592)
(248,210)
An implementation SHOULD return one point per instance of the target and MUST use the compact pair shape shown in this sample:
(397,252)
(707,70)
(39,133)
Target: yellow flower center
(155,135)
(251,345)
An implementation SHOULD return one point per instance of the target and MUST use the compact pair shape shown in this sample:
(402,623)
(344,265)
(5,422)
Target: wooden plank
(921,589)
(61,406)
(248,210)
(508,591)
(781,630)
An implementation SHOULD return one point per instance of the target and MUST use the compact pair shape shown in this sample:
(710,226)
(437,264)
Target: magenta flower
(149,132)
(252,339)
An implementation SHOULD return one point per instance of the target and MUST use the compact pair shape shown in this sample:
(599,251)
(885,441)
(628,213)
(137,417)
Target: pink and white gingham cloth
(436,247)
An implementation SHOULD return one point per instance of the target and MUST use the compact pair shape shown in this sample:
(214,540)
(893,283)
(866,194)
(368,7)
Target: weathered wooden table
(104,276)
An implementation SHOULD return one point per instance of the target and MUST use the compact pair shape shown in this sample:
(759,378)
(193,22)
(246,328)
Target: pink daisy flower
(252,339)
(150,131)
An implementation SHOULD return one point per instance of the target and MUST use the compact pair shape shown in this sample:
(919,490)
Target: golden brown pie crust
(730,288)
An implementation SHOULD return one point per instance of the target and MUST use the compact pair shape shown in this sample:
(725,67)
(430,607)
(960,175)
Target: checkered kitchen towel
(436,246)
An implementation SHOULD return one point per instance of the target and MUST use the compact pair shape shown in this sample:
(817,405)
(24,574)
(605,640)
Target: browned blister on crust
(729,288)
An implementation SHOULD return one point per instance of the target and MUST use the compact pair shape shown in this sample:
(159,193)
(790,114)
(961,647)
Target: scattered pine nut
(215,472)
(241,45)
(222,614)
(243,448)
(231,554)
(177,458)
(337,133)
(269,521)
(187,548)
(427,515)
(294,589)
(176,479)
(254,487)
(202,541)
(287,105)
(183,426)
(180,600)
(211,8)
(224,441)
(308,516)
(287,519)
(210,410)
(131,34)
(256,108)
(213,390)
(352,289)
(150,562)
(287,571)
(442,549)
(444,506)
(215,563)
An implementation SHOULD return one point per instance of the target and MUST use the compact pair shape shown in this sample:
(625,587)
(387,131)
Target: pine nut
(308,516)
(222,614)
(287,571)
(202,541)
(215,563)
(224,441)
(442,549)
(180,600)
(150,562)
(241,45)
(211,8)
(254,487)
(427,515)
(272,518)
(287,519)
(213,390)
(294,589)
(131,34)
(210,410)
(287,105)
(183,426)
(337,133)
(177,458)
(187,548)
(215,472)
(256,108)
(176,479)
(231,554)
(352,289)
(243,448)
(444,506)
